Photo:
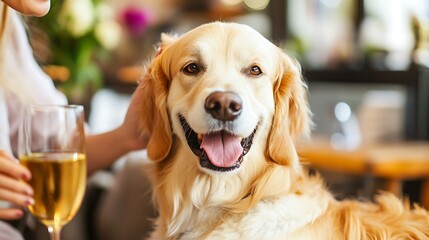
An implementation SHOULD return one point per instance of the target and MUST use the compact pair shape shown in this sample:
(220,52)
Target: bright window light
(257,4)
(231,2)
(342,111)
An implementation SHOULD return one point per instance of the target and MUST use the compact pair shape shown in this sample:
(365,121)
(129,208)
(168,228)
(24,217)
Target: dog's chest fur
(275,218)
(269,219)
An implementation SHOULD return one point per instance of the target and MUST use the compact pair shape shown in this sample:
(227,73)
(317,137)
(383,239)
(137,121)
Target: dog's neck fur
(188,197)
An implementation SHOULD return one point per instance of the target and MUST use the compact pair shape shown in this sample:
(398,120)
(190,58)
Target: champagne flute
(51,145)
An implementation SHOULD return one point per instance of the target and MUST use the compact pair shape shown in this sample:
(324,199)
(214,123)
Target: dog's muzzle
(219,151)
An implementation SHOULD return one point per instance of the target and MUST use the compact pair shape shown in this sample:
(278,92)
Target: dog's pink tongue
(222,148)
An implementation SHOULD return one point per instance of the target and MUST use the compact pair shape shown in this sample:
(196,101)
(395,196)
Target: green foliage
(77,52)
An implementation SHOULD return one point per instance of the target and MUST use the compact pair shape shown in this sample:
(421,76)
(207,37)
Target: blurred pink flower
(135,20)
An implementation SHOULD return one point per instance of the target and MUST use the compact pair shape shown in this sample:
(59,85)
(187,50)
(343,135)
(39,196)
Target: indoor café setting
(109,131)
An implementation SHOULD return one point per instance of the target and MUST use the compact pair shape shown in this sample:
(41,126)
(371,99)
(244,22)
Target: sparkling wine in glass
(52,146)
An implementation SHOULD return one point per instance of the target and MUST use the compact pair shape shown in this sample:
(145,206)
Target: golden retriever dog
(224,107)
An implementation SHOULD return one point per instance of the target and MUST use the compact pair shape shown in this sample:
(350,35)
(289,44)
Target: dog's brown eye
(192,69)
(255,71)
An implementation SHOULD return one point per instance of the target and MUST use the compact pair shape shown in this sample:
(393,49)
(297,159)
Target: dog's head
(223,90)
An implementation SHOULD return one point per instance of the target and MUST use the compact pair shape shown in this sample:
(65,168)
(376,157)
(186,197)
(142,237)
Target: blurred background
(352,51)
(365,63)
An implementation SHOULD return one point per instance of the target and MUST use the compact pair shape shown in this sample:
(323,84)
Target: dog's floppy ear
(292,116)
(154,115)
(167,40)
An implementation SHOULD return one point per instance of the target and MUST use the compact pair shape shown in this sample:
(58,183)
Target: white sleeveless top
(23,83)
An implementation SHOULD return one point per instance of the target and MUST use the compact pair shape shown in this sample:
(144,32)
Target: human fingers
(11,213)
(131,125)
(19,199)
(136,98)
(15,185)
(9,166)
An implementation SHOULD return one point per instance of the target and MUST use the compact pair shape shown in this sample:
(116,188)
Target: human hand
(127,137)
(12,188)
(131,126)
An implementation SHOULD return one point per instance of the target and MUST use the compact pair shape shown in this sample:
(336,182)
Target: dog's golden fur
(269,196)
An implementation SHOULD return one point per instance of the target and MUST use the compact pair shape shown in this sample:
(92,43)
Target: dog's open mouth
(219,151)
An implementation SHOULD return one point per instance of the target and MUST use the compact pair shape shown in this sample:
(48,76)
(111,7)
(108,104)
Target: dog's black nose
(224,106)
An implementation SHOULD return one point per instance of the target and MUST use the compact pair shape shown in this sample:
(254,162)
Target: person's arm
(103,149)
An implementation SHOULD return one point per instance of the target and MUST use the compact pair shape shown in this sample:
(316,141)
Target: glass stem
(54,232)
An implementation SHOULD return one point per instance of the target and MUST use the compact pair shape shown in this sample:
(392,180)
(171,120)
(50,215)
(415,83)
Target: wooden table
(395,162)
